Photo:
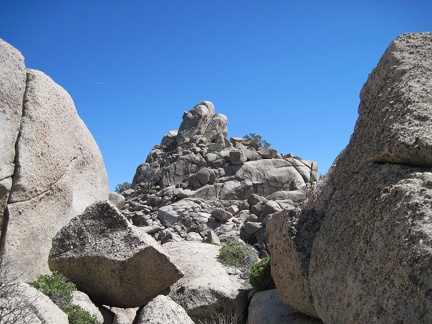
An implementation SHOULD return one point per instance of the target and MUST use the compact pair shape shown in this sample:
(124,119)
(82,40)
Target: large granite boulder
(114,262)
(373,251)
(206,290)
(163,309)
(51,167)
(370,259)
(271,175)
(12,88)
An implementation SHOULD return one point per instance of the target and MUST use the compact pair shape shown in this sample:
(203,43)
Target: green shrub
(77,315)
(122,187)
(256,141)
(237,254)
(57,287)
(260,275)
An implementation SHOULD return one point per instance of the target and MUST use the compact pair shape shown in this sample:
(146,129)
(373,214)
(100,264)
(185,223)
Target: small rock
(221,215)
(252,227)
(233,209)
(211,237)
(117,199)
(237,157)
(167,215)
(195,237)
(255,199)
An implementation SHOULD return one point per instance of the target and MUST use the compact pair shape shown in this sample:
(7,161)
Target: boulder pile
(196,185)
(197,161)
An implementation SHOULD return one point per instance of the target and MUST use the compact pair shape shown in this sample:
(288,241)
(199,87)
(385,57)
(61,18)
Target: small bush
(256,141)
(15,305)
(122,187)
(77,315)
(237,254)
(57,287)
(260,275)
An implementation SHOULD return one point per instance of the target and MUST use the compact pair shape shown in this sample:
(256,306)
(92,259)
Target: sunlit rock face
(51,168)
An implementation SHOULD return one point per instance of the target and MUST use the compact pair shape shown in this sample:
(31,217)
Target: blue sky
(290,71)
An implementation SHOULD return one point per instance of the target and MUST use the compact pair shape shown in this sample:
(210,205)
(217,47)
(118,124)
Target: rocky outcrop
(51,167)
(199,157)
(201,125)
(195,185)
(163,309)
(370,260)
(114,262)
(207,289)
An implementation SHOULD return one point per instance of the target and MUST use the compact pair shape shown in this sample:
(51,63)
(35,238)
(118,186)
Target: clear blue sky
(290,71)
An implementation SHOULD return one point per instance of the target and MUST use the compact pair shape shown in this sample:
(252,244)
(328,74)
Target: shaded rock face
(292,233)
(114,262)
(51,167)
(266,307)
(200,158)
(371,257)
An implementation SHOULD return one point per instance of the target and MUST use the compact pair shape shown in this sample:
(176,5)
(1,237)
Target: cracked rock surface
(51,169)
